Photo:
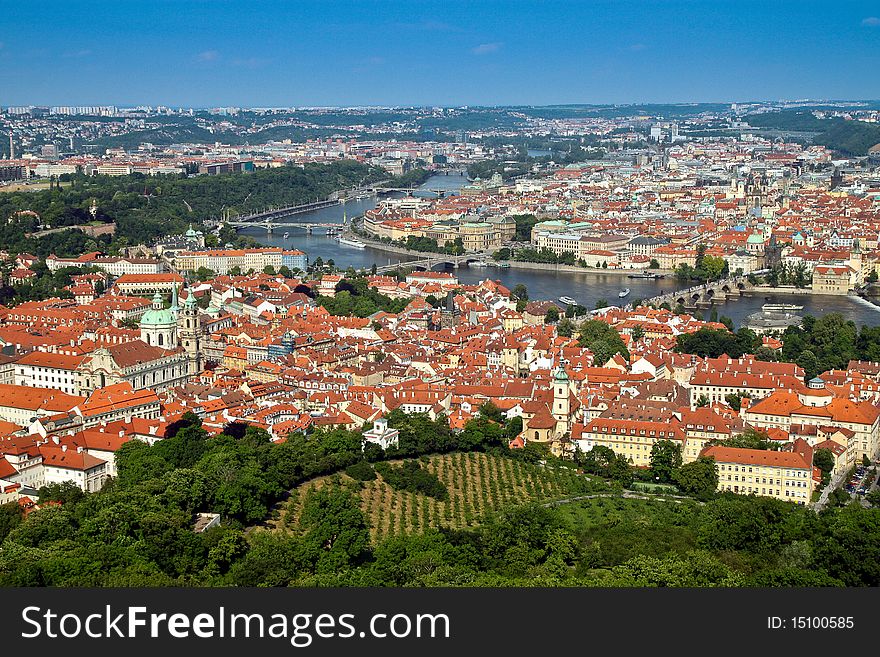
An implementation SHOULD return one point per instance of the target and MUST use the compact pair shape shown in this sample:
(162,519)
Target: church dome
(157,315)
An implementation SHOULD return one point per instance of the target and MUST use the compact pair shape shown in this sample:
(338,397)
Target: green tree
(698,478)
(335,533)
(824,460)
(665,459)
(552,315)
(565,328)
(734,400)
(602,340)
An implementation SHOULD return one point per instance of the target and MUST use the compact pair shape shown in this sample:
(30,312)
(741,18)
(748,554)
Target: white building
(381,434)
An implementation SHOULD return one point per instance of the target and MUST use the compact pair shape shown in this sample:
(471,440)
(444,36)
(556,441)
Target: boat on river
(353,243)
(623,293)
(568,300)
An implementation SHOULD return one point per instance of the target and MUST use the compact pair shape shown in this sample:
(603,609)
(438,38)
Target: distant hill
(846,137)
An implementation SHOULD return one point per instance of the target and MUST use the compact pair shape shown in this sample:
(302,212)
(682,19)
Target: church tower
(189,331)
(561,399)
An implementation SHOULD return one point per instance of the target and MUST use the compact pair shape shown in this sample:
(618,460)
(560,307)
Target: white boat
(286,235)
(478,263)
(623,293)
(780,307)
(352,243)
(568,300)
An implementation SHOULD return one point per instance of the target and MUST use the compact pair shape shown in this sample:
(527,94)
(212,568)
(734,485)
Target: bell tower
(561,399)
(189,330)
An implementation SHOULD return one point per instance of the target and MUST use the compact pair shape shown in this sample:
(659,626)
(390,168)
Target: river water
(586,288)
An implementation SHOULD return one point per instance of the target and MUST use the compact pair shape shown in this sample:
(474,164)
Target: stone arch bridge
(704,295)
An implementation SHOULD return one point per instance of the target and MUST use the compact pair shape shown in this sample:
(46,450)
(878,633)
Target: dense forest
(138,530)
(147,207)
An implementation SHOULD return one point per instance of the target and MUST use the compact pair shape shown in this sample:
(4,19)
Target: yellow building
(784,475)
(832,280)
(632,438)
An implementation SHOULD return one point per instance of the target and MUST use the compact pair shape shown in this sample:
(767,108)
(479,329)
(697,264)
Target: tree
(269,270)
(335,530)
(702,401)
(203,273)
(637,333)
(520,292)
(10,518)
(714,266)
(66,492)
(601,303)
(552,315)
(734,400)
(491,412)
(824,460)
(872,277)
(602,340)
(654,264)
(565,328)
(665,459)
(698,478)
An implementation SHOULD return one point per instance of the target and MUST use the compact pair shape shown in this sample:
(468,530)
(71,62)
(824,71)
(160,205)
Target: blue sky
(367,52)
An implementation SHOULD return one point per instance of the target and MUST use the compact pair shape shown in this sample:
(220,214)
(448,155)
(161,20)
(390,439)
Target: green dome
(561,376)
(157,315)
(154,317)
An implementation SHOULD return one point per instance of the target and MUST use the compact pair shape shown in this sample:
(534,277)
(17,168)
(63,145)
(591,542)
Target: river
(586,288)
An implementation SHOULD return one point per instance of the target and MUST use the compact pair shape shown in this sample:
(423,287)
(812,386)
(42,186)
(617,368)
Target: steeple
(175,305)
(158,304)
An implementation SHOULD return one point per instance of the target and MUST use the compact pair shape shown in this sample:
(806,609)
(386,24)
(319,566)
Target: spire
(175,306)
(157,301)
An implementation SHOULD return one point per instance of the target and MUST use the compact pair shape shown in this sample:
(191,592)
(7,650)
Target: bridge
(437,260)
(410,191)
(704,295)
(270,226)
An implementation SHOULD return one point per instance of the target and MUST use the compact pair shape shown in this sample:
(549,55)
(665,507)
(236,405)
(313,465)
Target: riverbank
(513,264)
(760,290)
(574,269)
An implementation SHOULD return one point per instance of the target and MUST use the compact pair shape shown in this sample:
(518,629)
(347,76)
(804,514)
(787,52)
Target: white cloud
(486,48)
(208,56)
(871,21)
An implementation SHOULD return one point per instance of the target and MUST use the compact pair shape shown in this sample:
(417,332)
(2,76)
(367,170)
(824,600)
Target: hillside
(477,483)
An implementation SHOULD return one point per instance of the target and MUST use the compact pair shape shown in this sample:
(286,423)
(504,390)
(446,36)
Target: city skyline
(381,54)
